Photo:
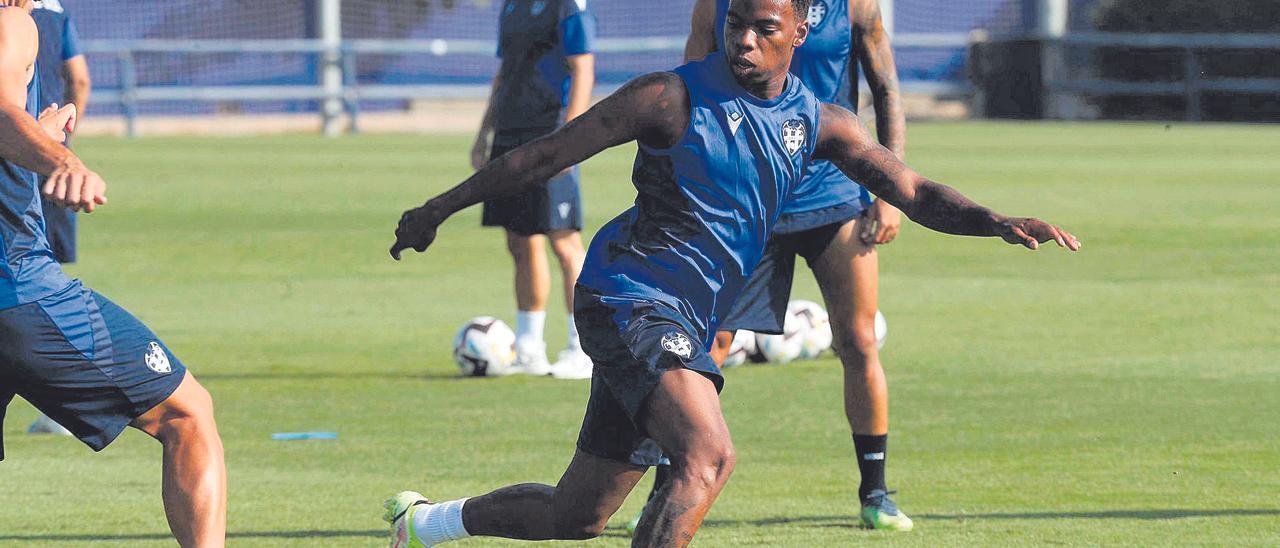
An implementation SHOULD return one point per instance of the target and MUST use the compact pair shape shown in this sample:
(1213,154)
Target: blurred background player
(545,79)
(66,349)
(64,80)
(834,224)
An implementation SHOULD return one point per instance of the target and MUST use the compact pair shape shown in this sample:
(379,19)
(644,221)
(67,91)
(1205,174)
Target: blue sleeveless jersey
(28,271)
(705,207)
(823,64)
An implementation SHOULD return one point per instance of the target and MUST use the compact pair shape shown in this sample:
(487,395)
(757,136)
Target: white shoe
(46,425)
(531,359)
(573,364)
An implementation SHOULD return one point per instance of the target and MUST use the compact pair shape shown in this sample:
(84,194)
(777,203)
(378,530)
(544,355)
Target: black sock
(871,456)
(661,475)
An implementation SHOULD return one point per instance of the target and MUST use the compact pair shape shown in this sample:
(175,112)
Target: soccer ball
(484,347)
(785,347)
(816,327)
(882,330)
(742,348)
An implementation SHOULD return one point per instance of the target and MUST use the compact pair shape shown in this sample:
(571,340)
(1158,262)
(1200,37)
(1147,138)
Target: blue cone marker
(293,436)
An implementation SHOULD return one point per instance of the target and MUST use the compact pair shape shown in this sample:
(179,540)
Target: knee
(856,344)
(519,247)
(709,466)
(187,417)
(568,249)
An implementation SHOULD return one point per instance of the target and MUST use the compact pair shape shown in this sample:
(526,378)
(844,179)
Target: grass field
(1128,394)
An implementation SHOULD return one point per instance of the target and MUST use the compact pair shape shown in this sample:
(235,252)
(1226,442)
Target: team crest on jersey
(678,344)
(537,7)
(793,135)
(157,360)
(817,13)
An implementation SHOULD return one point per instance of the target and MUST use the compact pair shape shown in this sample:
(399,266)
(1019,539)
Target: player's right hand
(1031,232)
(417,230)
(76,187)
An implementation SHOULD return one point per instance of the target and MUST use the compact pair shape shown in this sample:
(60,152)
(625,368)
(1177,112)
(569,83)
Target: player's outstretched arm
(653,109)
(23,140)
(843,141)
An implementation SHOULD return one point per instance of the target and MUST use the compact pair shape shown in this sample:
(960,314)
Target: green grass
(1128,394)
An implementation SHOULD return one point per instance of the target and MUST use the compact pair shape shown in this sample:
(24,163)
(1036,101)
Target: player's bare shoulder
(658,103)
(17,32)
(838,130)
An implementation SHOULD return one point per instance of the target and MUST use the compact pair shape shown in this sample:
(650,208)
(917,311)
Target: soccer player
(834,224)
(70,352)
(722,144)
(545,79)
(64,79)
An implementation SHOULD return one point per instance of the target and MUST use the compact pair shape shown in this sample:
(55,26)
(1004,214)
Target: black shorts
(85,362)
(631,345)
(554,206)
(762,305)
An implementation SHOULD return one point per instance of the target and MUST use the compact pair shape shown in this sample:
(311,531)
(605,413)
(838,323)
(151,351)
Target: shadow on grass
(378,533)
(1172,513)
(848,521)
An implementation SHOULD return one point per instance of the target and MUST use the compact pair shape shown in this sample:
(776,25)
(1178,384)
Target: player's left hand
(58,122)
(417,230)
(1031,232)
(881,224)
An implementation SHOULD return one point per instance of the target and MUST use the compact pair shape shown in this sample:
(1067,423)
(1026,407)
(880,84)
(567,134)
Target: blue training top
(823,64)
(28,271)
(59,41)
(534,39)
(706,206)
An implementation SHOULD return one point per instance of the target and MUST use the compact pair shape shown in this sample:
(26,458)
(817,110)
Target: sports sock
(871,456)
(574,343)
(529,325)
(441,522)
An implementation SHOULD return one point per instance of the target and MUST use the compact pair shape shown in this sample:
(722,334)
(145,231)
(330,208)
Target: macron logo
(735,120)
(873,456)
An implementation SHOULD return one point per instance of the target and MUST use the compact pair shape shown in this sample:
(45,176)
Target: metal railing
(1193,83)
(347,54)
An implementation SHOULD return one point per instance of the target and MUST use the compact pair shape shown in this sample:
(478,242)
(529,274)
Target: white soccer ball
(816,326)
(882,330)
(785,347)
(742,348)
(484,347)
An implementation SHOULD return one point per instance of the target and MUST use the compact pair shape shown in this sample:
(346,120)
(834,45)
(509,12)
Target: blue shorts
(631,344)
(60,228)
(554,206)
(762,305)
(85,362)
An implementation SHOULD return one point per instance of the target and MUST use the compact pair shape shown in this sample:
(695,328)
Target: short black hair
(802,8)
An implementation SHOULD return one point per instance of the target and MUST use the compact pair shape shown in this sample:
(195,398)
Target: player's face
(759,38)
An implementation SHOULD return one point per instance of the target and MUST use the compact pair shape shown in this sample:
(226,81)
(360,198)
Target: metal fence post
(129,92)
(331,66)
(1193,86)
(351,90)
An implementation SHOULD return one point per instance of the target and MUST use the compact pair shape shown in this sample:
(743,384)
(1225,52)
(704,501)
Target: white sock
(437,523)
(529,325)
(574,343)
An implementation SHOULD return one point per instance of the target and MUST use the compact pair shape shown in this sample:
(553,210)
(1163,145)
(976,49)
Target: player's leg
(532,284)
(683,415)
(847,271)
(572,363)
(720,348)
(194,473)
